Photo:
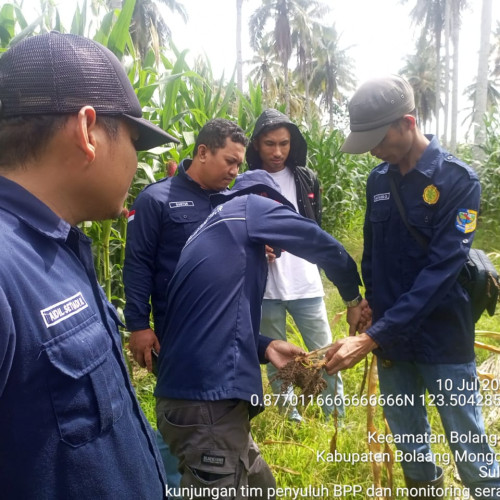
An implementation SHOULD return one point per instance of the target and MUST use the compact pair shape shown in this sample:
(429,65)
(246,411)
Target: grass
(298,453)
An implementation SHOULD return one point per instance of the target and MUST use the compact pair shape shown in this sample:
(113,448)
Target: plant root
(305,373)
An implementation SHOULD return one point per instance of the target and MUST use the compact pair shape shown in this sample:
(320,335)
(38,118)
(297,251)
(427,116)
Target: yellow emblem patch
(431,194)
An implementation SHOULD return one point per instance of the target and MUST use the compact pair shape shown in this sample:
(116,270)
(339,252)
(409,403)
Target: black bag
(480,279)
(478,276)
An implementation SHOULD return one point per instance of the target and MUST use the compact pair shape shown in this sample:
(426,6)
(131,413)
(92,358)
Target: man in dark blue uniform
(161,220)
(70,424)
(209,380)
(422,328)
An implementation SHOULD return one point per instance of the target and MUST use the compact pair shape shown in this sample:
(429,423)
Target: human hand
(359,317)
(366,317)
(140,344)
(347,352)
(279,352)
(270,254)
(353,317)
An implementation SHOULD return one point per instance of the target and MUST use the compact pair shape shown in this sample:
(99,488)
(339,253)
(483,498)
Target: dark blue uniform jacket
(211,346)
(421,312)
(162,218)
(70,425)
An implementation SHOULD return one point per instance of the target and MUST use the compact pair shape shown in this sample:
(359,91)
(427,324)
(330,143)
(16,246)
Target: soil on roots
(304,374)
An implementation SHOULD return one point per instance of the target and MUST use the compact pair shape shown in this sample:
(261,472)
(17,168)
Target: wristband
(353,302)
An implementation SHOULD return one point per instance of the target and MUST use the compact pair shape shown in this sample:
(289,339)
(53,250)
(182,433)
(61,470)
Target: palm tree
(279,11)
(420,71)
(492,100)
(239,54)
(305,28)
(285,14)
(456,8)
(333,72)
(492,88)
(481,94)
(496,53)
(437,17)
(266,70)
(148,28)
(429,14)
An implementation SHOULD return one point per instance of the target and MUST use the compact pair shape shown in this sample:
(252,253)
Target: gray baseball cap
(373,107)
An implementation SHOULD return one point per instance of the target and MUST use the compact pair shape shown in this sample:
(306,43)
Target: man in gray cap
(422,206)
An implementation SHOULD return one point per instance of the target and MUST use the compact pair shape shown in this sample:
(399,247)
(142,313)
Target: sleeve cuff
(262,347)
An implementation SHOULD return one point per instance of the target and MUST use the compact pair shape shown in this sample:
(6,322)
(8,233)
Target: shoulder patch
(466,220)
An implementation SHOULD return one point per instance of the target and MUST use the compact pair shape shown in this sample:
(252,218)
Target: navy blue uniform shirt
(211,346)
(162,218)
(420,311)
(70,424)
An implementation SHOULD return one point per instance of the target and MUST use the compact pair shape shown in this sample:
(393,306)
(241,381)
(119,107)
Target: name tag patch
(177,204)
(56,313)
(213,460)
(381,197)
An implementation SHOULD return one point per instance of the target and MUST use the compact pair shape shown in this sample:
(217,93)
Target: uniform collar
(428,162)
(182,172)
(32,211)
(183,166)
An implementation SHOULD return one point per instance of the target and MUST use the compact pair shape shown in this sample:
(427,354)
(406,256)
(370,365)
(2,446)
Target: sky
(213,31)
(379,34)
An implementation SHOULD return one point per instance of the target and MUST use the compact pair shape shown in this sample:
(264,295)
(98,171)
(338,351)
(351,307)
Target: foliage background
(181,98)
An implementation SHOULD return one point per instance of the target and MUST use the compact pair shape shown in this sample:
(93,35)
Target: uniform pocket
(83,383)
(379,218)
(421,217)
(187,218)
(380,214)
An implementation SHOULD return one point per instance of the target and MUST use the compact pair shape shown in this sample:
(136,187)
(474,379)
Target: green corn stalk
(105,255)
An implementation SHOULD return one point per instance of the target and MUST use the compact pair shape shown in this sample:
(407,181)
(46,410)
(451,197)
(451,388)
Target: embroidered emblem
(431,194)
(63,310)
(381,197)
(131,216)
(213,460)
(177,204)
(466,220)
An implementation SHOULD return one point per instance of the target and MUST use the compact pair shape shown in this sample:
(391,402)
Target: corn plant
(343,178)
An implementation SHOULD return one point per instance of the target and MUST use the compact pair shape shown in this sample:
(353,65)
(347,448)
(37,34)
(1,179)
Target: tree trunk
(239,54)
(307,87)
(455,36)
(447,16)
(482,77)
(437,104)
(287,87)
